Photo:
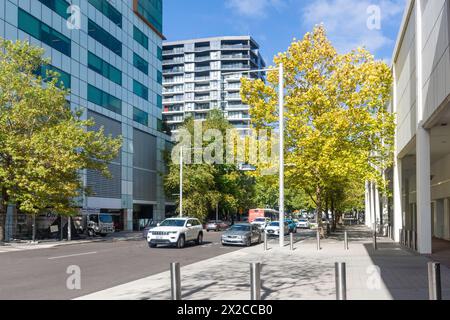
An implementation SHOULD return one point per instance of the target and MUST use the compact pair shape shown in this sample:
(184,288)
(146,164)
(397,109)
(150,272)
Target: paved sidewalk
(303,274)
(45,244)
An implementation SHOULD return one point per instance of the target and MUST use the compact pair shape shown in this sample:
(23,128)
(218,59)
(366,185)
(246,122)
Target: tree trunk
(319,209)
(333,212)
(4,200)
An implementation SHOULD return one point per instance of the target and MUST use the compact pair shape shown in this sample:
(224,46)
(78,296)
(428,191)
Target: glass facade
(104,37)
(159,77)
(44,33)
(63,77)
(159,53)
(140,116)
(108,10)
(159,101)
(140,90)
(96,62)
(59,6)
(140,37)
(104,68)
(151,10)
(140,63)
(104,99)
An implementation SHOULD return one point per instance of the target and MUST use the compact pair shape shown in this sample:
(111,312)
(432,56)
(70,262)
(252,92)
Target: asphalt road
(42,274)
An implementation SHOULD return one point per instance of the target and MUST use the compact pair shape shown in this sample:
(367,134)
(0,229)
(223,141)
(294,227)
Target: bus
(262,213)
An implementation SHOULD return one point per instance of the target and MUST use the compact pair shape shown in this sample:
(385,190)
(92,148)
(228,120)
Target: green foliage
(338,131)
(43,144)
(207,185)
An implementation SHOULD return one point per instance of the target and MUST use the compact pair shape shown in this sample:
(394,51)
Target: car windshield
(240,228)
(106,218)
(173,223)
(274,224)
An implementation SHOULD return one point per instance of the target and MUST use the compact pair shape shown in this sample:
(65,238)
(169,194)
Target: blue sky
(275,23)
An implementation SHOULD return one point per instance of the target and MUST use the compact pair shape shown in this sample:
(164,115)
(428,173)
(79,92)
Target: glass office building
(112,64)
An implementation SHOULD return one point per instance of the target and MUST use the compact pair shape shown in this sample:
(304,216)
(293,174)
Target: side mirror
(189,225)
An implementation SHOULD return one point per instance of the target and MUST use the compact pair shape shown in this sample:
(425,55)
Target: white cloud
(254,8)
(346,21)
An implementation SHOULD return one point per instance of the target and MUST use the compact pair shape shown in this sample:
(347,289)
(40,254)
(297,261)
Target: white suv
(176,231)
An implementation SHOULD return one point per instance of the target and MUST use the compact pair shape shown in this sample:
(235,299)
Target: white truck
(94,224)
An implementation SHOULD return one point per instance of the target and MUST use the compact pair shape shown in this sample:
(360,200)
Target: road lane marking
(72,255)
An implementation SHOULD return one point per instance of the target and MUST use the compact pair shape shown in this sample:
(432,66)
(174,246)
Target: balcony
(173,51)
(172,110)
(235,66)
(202,107)
(202,59)
(173,61)
(233,96)
(201,49)
(200,69)
(202,98)
(235,56)
(202,79)
(174,99)
(236,46)
(237,107)
(173,70)
(172,90)
(202,88)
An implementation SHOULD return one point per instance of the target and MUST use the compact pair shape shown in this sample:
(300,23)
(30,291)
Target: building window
(159,77)
(44,33)
(159,101)
(140,116)
(152,11)
(104,99)
(140,90)
(140,63)
(59,6)
(108,10)
(160,53)
(102,36)
(104,68)
(64,80)
(140,37)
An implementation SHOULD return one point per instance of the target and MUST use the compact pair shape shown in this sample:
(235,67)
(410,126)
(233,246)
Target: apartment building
(112,65)
(204,74)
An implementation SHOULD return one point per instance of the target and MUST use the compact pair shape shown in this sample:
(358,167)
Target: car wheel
(248,243)
(152,245)
(199,240)
(91,233)
(181,242)
(207,230)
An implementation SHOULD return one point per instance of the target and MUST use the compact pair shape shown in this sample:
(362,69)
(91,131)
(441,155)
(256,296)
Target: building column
(398,212)
(129,220)
(424,237)
(446,220)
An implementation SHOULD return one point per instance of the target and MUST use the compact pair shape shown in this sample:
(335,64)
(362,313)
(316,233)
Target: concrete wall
(405,70)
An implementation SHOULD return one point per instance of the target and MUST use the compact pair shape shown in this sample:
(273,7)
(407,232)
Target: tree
(207,185)
(43,144)
(338,131)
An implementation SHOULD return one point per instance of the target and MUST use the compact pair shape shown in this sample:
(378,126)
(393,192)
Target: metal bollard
(318,240)
(255,281)
(265,241)
(413,241)
(291,240)
(341,281)
(375,245)
(434,281)
(345,240)
(175,280)
(408,239)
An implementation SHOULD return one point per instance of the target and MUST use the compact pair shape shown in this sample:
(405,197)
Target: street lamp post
(281,125)
(281,115)
(181,182)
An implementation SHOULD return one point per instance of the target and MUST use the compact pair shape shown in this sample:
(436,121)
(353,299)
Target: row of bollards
(408,238)
(434,281)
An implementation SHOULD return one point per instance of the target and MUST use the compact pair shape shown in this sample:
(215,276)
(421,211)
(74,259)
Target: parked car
(149,226)
(176,232)
(273,229)
(216,225)
(303,224)
(291,225)
(242,234)
(262,222)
